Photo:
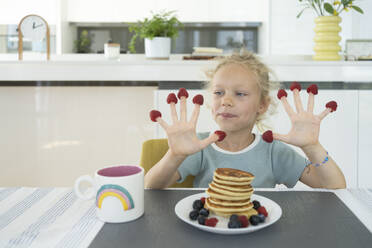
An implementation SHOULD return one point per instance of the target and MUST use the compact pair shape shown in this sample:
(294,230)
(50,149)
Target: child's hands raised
(182,139)
(305,124)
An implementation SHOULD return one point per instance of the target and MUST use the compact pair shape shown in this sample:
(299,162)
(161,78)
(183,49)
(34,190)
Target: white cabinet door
(365,139)
(338,133)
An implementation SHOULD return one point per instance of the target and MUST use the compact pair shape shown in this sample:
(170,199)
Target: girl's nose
(227,101)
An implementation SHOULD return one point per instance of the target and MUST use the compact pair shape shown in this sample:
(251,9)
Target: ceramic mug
(118,192)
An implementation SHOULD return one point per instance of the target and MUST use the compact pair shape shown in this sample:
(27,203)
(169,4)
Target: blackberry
(194,214)
(204,212)
(256,204)
(201,220)
(254,220)
(197,205)
(234,224)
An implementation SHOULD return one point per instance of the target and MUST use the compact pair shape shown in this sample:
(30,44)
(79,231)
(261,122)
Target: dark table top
(310,219)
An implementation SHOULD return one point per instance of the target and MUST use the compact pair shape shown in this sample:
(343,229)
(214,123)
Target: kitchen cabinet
(338,134)
(365,139)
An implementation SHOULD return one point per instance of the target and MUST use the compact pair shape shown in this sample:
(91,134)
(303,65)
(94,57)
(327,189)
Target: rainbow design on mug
(115,191)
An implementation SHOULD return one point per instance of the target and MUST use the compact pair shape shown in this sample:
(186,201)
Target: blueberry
(234,224)
(261,217)
(234,217)
(254,220)
(201,220)
(197,205)
(204,212)
(256,204)
(194,214)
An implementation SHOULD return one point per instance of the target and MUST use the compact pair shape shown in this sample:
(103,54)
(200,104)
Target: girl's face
(236,98)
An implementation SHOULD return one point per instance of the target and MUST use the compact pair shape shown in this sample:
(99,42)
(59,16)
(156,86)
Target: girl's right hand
(182,139)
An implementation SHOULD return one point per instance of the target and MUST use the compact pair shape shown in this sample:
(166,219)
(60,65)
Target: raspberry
(211,222)
(172,98)
(268,136)
(203,200)
(221,135)
(281,93)
(154,114)
(243,221)
(295,85)
(198,99)
(262,210)
(332,105)
(182,92)
(313,89)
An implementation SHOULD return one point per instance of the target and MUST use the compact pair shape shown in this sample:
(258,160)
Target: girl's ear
(264,105)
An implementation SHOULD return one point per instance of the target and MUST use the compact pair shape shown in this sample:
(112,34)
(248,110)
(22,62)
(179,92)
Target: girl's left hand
(305,124)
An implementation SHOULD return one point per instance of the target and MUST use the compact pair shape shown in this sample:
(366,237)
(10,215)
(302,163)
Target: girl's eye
(241,94)
(218,93)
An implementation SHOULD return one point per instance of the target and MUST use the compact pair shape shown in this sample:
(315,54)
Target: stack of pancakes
(230,193)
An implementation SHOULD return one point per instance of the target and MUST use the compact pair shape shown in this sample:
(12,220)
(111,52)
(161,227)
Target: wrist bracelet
(324,161)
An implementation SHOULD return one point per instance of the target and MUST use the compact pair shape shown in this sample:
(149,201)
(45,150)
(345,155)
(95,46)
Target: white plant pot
(158,48)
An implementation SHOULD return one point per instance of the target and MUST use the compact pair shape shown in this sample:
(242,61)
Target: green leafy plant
(82,44)
(163,24)
(329,8)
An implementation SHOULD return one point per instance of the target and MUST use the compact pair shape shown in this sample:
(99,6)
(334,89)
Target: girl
(240,89)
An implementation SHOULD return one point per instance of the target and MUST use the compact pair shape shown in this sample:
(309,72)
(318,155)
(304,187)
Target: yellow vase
(327,38)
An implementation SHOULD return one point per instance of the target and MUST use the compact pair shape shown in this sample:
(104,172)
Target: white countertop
(94,67)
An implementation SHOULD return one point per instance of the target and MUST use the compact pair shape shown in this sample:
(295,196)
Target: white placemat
(46,217)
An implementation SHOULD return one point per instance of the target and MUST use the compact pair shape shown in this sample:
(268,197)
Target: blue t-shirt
(270,163)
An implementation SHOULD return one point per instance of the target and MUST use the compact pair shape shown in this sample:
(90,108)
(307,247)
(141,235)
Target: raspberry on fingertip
(282,93)
(154,114)
(221,135)
(268,136)
(182,92)
(295,85)
(172,98)
(313,89)
(198,99)
(332,105)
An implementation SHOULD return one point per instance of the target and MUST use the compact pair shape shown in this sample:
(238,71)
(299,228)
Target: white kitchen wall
(281,32)
(187,11)
(12,11)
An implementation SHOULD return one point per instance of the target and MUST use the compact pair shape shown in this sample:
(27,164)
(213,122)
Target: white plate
(184,207)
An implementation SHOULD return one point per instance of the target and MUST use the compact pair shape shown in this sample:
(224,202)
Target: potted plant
(327,25)
(157,32)
(82,44)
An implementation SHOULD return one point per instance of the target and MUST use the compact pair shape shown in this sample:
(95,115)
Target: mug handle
(89,194)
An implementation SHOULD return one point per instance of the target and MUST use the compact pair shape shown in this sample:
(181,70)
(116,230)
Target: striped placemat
(46,217)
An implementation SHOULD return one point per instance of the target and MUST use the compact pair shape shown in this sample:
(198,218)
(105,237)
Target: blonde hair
(251,62)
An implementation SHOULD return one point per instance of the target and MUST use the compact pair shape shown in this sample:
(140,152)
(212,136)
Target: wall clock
(34,28)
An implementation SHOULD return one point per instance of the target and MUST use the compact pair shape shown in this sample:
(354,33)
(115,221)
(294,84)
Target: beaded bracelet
(324,161)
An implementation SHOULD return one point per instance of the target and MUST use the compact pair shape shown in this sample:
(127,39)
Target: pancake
(228,209)
(229,203)
(248,213)
(217,195)
(215,188)
(233,188)
(234,175)
(225,182)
